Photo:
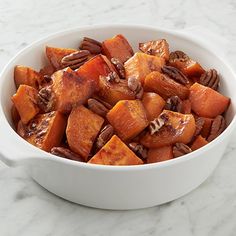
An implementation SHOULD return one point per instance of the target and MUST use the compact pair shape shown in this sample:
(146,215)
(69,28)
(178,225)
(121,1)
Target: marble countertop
(27,209)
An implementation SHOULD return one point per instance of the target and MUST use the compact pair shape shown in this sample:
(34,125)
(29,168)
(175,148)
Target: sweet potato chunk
(160,154)
(207,102)
(45,131)
(82,129)
(115,152)
(206,127)
(164,86)
(70,90)
(47,70)
(25,101)
(198,143)
(141,64)
(112,92)
(153,104)
(117,47)
(177,128)
(55,55)
(128,118)
(186,106)
(28,76)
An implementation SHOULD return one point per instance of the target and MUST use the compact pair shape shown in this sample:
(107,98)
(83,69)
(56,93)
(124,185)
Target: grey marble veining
(27,209)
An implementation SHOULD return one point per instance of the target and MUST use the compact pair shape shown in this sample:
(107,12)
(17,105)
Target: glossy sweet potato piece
(82,129)
(207,102)
(70,90)
(186,106)
(94,68)
(25,101)
(112,92)
(55,55)
(117,47)
(177,128)
(45,131)
(141,64)
(206,127)
(198,143)
(153,104)
(164,86)
(115,152)
(128,118)
(160,154)
(28,76)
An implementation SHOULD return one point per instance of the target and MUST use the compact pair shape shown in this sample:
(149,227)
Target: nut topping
(199,121)
(119,67)
(105,134)
(138,149)
(175,74)
(210,79)
(93,46)
(66,153)
(97,107)
(113,77)
(178,56)
(181,149)
(135,86)
(156,124)
(45,99)
(174,103)
(75,59)
(217,127)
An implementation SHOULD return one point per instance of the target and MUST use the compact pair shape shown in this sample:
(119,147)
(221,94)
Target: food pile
(104,104)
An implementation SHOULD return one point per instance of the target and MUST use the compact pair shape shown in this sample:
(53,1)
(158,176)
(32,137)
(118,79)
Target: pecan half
(156,124)
(47,80)
(113,77)
(174,103)
(135,86)
(175,74)
(181,149)
(217,127)
(178,56)
(119,67)
(210,79)
(97,107)
(138,149)
(105,134)
(199,122)
(46,99)
(93,46)
(75,59)
(66,153)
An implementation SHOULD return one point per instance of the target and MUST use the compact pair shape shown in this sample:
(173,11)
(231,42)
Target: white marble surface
(27,209)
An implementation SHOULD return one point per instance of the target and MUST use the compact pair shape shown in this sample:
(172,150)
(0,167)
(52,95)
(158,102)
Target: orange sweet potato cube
(28,76)
(160,154)
(115,152)
(128,118)
(82,129)
(117,47)
(141,64)
(70,90)
(177,128)
(153,104)
(198,143)
(45,131)
(164,86)
(207,102)
(55,55)
(25,101)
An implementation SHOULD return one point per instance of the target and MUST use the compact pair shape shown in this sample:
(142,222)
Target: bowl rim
(45,155)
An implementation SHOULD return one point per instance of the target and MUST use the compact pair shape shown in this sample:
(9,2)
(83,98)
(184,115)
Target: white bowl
(114,187)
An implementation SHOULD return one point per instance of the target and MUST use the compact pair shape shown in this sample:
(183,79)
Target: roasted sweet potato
(206,127)
(70,90)
(128,118)
(141,64)
(25,101)
(198,143)
(186,106)
(153,104)
(115,152)
(207,102)
(177,128)
(44,131)
(164,86)
(117,47)
(82,129)
(160,154)
(27,76)
(47,70)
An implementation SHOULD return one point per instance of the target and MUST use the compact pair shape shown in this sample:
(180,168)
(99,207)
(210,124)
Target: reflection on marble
(27,209)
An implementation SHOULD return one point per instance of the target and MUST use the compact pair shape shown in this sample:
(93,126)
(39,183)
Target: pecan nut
(119,67)
(136,87)
(105,134)
(97,107)
(174,103)
(92,45)
(75,59)
(138,149)
(46,99)
(66,153)
(156,125)
(175,74)
(47,80)
(217,127)
(178,56)
(113,77)
(181,149)
(210,79)
(199,122)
